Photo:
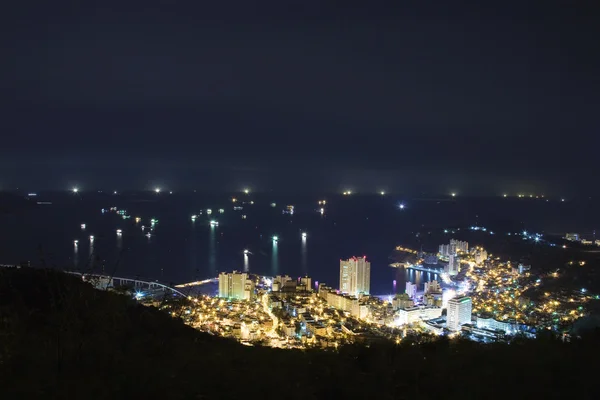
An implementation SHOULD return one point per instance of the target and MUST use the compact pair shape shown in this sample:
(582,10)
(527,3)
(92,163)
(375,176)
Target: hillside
(60,338)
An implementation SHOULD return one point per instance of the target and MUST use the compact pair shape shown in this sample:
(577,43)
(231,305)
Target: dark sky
(426,96)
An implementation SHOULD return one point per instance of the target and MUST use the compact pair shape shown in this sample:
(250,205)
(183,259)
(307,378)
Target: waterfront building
(355,276)
(236,285)
(411,290)
(574,237)
(430,259)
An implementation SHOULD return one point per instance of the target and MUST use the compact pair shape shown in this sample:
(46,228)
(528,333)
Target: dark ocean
(181,250)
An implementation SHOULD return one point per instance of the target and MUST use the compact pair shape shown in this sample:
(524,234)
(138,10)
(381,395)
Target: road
(273,332)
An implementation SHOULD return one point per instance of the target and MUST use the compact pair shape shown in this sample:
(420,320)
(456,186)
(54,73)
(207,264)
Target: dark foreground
(60,338)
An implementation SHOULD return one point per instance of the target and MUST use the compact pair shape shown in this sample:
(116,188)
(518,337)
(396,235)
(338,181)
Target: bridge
(418,267)
(104,282)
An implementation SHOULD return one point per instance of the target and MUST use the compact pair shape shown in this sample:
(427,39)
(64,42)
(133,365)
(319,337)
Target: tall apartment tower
(236,285)
(459,312)
(453,265)
(355,276)
(460,245)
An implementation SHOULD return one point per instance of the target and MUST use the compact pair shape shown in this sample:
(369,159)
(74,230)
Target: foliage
(60,338)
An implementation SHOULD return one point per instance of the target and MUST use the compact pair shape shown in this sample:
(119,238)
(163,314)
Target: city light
(246,252)
(75,190)
(453,194)
(157,190)
(401,206)
(382,193)
(303,235)
(247,191)
(119,231)
(91,238)
(275,238)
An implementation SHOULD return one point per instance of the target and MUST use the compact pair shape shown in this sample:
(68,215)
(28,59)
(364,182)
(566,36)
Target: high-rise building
(306,281)
(432,287)
(411,290)
(480,256)
(459,245)
(453,263)
(236,285)
(355,276)
(459,312)
(444,250)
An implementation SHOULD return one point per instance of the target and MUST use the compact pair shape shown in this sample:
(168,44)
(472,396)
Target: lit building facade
(453,264)
(458,245)
(480,256)
(574,237)
(495,325)
(432,287)
(236,285)
(347,303)
(411,290)
(459,312)
(355,276)
(415,314)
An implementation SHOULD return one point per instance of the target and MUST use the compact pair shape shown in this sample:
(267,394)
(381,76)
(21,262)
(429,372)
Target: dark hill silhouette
(60,338)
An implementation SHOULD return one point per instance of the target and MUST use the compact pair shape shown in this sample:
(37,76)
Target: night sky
(301,95)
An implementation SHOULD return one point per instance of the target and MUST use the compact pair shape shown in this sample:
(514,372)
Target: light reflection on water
(212,252)
(274,259)
(303,257)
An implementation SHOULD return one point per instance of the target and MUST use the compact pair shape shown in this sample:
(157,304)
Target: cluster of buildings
(236,285)
(297,312)
(457,252)
(576,237)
